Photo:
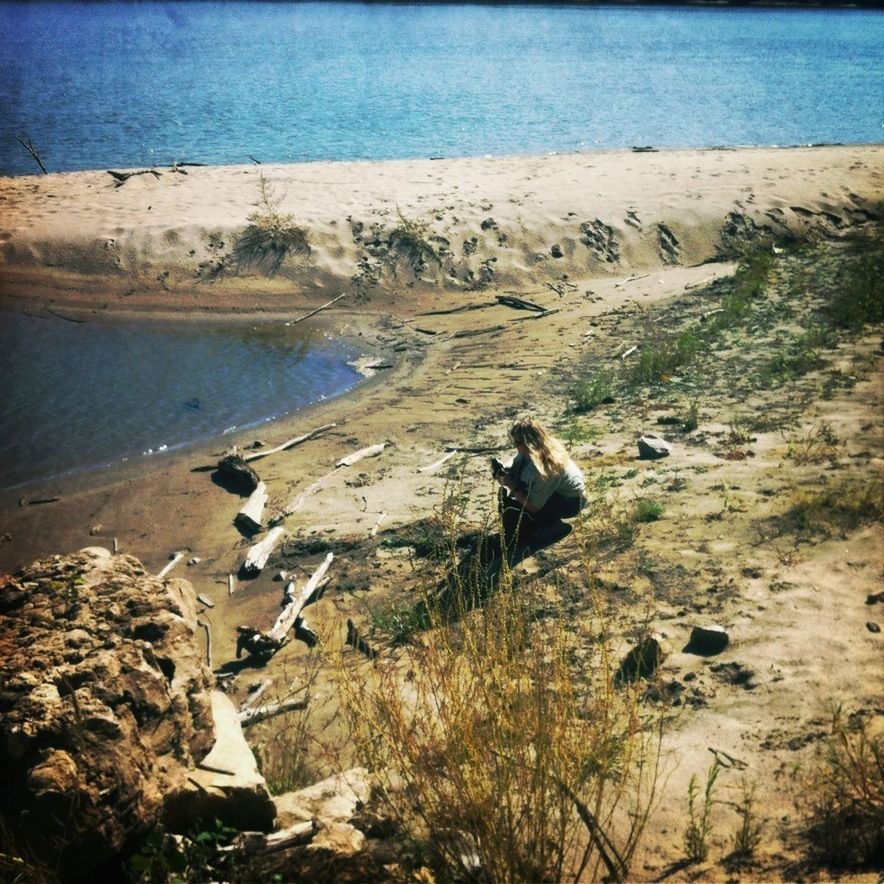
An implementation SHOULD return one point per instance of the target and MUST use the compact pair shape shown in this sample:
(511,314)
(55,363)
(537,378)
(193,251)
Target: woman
(543,485)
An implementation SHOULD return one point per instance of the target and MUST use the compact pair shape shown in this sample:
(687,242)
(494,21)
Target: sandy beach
(611,246)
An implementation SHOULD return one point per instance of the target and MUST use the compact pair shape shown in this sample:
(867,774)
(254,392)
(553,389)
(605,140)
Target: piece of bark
(292,610)
(257,556)
(289,444)
(239,473)
(250,516)
(370,451)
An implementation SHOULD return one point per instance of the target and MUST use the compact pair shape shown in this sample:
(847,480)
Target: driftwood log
(290,443)
(122,177)
(173,561)
(519,303)
(292,610)
(249,517)
(370,451)
(253,716)
(257,556)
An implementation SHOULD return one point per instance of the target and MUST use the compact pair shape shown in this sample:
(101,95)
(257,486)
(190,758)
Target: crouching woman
(540,487)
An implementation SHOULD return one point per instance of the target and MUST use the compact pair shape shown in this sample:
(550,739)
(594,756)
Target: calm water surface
(97,85)
(80,396)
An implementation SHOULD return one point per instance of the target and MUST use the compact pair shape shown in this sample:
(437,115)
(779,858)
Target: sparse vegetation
(840,507)
(271,236)
(647,510)
(748,835)
(594,391)
(410,240)
(843,797)
(699,827)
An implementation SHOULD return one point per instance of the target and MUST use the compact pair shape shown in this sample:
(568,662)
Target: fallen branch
(29,147)
(462,309)
(62,316)
(253,698)
(208,642)
(377,524)
(631,279)
(257,556)
(314,312)
(290,613)
(370,451)
(518,303)
(630,351)
(537,315)
(40,500)
(219,770)
(231,584)
(297,440)
(253,716)
(298,501)
(205,600)
(175,559)
(472,332)
(439,462)
(122,177)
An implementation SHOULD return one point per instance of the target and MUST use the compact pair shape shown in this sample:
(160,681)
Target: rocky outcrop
(104,704)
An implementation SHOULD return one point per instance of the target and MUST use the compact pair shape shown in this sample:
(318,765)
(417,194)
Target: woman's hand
(506,480)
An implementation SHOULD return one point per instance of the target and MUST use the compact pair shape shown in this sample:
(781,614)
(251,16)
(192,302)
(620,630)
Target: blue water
(133,84)
(82,396)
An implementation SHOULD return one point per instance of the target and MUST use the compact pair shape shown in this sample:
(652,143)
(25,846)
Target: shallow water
(98,85)
(83,395)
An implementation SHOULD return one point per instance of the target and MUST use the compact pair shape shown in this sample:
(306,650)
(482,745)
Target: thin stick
(208,643)
(231,584)
(297,440)
(314,312)
(289,615)
(29,147)
(631,279)
(439,462)
(377,524)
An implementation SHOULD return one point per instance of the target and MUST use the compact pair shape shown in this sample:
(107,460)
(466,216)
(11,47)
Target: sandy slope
(795,609)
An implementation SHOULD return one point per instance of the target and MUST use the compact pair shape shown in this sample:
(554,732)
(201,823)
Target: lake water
(80,396)
(98,85)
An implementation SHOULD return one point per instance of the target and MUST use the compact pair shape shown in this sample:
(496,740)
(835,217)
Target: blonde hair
(546,452)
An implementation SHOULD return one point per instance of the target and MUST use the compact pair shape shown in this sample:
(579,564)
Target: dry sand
(638,232)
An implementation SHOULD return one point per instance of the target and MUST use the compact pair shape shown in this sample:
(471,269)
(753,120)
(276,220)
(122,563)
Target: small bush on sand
(648,510)
(270,237)
(748,836)
(841,507)
(843,797)
(859,299)
(410,240)
(594,391)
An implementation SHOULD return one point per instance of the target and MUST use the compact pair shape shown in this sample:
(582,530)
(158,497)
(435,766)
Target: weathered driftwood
(122,177)
(231,584)
(298,500)
(205,600)
(370,451)
(292,610)
(542,315)
(256,695)
(631,279)
(462,309)
(377,524)
(630,351)
(518,303)
(290,443)
(257,556)
(175,559)
(240,474)
(472,332)
(326,304)
(253,716)
(208,643)
(438,463)
(249,517)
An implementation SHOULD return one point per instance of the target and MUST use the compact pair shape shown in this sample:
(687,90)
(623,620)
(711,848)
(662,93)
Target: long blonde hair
(546,452)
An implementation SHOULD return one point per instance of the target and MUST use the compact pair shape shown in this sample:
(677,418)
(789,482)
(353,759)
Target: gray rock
(707,640)
(334,800)
(652,447)
(235,472)
(556,251)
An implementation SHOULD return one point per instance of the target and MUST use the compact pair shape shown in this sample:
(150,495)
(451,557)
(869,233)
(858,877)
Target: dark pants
(519,525)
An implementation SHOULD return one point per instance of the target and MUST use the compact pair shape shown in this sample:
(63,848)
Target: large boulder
(104,704)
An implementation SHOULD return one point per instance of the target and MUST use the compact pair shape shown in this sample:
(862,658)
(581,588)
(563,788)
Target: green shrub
(595,391)
(648,510)
(699,827)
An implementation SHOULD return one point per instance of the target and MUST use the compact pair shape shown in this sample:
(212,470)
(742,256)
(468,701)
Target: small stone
(652,447)
(707,640)
(873,627)
(556,251)
(874,598)
(194,561)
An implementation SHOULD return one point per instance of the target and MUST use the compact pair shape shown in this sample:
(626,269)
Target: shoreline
(466,363)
